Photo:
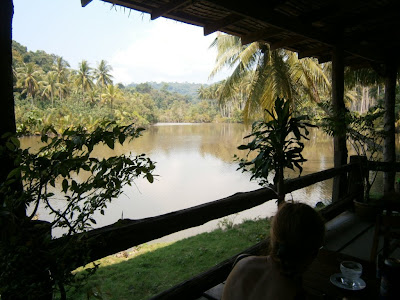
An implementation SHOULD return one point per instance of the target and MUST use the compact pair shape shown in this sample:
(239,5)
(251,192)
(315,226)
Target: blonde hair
(297,232)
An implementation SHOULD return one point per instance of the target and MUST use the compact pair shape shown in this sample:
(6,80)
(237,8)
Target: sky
(138,49)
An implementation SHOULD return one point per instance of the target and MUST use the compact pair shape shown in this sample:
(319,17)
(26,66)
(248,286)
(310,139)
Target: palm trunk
(281,187)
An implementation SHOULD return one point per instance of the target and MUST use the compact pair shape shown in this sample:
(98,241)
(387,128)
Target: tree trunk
(281,187)
(7,125)
(389,152)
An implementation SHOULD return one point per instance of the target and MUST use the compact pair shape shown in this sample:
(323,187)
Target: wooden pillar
(7,113)
(339,139)
(357,177)
(389,152)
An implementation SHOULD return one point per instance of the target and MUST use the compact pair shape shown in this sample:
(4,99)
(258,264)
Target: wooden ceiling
(368,30)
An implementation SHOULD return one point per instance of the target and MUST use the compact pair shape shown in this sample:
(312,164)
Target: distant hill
(183,88)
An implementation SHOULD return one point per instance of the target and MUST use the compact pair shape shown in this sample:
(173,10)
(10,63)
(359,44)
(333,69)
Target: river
(194,164)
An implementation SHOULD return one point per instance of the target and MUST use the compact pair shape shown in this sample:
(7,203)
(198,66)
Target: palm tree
(270,74)
(102,75)
(49,86)
(28,79)
(83,77)
(111,94)
(61,70)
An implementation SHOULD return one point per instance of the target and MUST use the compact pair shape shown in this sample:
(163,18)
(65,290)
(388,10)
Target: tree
(102,75)
(28,79)
(84,79)
(61,70)
(271,73)
(49,86)
(112,93)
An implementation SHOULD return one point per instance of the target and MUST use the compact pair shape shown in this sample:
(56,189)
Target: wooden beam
(339,108)
(128,233)
(389,149)
(7,112)
(287,42)
(228,20)
(170,6)
(260,35)
(85,2)
(314,52)
(142,6)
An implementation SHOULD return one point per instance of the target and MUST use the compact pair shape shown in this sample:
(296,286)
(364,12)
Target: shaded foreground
(150,269)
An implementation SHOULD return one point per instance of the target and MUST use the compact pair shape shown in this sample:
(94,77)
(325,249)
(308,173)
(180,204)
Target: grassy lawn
(151,269)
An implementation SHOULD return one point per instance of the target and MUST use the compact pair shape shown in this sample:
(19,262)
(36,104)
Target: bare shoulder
(251,263)
(244,278)
(249,266)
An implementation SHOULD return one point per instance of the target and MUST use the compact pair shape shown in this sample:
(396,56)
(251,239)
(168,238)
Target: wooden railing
(128,233)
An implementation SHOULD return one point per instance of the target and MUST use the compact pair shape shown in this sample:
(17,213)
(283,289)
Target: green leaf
(121,138)
(150,177)
(14,173)
(65,185)
(109,142)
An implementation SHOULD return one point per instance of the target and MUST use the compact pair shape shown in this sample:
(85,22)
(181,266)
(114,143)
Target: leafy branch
(54,167)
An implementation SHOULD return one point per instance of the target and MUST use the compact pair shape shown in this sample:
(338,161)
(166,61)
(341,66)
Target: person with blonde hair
(297,233)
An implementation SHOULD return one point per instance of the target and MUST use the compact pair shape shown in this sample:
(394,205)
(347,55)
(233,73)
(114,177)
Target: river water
(194,164)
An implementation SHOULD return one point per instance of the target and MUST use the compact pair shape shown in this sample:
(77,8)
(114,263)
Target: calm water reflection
(195,165)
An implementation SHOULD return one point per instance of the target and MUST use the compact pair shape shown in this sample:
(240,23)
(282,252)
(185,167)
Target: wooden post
(389,152)
(339,139)
(7,114)
(356,177)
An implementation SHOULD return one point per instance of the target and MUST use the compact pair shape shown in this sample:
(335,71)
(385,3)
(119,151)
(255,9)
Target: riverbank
(147,270)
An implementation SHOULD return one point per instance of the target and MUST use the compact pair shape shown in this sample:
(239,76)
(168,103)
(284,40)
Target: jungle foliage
(49,92)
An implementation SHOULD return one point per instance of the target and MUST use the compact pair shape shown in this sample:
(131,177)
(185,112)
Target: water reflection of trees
(218,140)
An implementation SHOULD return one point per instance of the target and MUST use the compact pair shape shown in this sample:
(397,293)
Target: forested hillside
(184,88)
(49,92)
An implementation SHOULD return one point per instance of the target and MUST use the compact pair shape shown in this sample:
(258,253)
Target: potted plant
(366,138)
(277,145)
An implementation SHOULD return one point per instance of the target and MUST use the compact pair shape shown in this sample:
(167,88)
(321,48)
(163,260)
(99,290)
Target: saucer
(356,285)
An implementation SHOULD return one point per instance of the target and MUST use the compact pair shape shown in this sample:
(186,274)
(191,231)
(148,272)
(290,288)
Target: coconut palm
(61,70)
(84,79)
(111,94)
(28,79)
(49,86)
(270,73)
(102,74)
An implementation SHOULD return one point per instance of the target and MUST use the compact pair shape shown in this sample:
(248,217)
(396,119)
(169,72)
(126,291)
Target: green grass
(151,269)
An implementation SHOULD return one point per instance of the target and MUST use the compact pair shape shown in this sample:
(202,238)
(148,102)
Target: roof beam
(85,2)
(259,35)
(287,42)
(143,6)
(296,26)
(228,20)
(170,6)
(313,52)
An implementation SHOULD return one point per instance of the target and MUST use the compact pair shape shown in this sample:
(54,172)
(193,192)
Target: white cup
(351,270)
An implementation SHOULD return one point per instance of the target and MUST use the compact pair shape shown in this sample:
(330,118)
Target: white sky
(138,49)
